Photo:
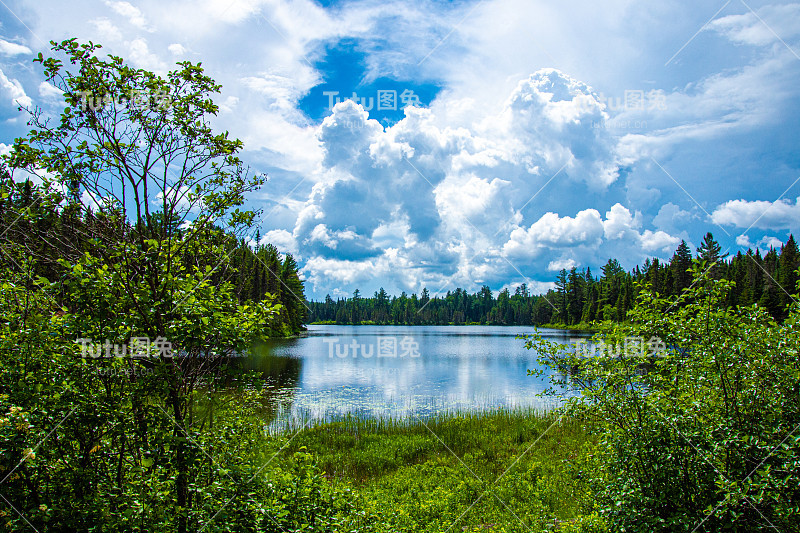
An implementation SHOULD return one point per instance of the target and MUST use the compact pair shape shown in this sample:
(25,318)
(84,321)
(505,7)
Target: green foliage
(142,242)
(700,437)
(591,523)
(87,445)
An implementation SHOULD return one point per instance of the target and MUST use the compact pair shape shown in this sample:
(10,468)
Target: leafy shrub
(702,436)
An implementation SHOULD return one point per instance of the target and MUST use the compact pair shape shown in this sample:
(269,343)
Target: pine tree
(711,252)
(575,296)
(680,264)
(561,290)
(789,262)
(770,298)
(293,298)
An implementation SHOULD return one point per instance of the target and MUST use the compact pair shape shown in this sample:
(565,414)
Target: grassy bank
(507,470)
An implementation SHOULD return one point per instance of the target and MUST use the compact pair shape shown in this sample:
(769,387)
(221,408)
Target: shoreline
(575,327)
(581,327)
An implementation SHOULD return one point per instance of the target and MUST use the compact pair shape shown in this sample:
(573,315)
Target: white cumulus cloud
(782,214)
(14,91)
(132,13)
(177,49)
(13,49)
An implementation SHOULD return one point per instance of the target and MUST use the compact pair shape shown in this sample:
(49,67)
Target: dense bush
(86,445)
(702,436)
(123,240)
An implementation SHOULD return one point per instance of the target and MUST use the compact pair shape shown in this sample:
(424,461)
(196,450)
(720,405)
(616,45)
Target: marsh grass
(515,469)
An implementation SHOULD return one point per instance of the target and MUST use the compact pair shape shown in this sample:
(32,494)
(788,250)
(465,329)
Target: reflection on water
(278,370)
(400,371)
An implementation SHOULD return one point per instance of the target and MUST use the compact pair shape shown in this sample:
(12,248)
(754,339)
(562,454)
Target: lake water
(401,371)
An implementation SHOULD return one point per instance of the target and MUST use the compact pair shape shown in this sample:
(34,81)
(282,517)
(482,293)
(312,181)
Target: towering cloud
(424,204)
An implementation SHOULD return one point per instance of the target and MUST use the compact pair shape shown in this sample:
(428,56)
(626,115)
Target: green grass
(524,468)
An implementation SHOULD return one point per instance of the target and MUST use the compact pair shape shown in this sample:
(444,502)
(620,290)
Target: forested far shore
(579,296)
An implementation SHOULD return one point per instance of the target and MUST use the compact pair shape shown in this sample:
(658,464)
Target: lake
(402,371)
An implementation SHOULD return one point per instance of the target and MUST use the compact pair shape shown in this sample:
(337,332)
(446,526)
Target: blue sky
(538,135)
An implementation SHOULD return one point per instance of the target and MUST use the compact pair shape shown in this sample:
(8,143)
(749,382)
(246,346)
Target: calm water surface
(402,371)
